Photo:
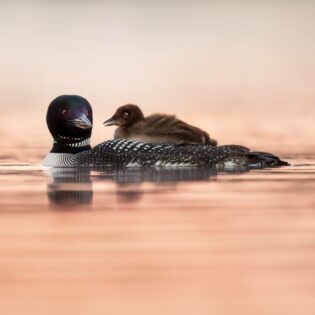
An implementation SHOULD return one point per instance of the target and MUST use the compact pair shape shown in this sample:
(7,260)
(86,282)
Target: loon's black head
(125,116)
(69,120)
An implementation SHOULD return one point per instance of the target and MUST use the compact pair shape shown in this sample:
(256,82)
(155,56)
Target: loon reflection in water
(73,187)
(70,187)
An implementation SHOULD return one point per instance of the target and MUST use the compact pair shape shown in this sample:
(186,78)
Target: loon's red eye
(65,112)
(87,113)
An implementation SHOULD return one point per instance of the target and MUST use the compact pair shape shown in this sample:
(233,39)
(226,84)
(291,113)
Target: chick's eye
(65,112)
(125,114)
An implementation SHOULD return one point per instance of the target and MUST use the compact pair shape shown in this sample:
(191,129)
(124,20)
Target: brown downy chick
(156,128)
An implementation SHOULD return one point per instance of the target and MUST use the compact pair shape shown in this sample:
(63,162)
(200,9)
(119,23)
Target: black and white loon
(156,128)
(70,120)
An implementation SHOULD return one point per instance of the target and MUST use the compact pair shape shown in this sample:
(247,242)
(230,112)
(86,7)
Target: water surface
(176,241)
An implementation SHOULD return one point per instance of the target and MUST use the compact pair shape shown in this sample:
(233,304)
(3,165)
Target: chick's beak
(110,122)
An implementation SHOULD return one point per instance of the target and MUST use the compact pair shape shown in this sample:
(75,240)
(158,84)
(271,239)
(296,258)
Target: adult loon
(156,128)
(70,119)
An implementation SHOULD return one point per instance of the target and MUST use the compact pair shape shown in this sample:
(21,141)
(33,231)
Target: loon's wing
(131,153)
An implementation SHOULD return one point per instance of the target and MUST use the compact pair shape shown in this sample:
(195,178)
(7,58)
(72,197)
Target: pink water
(172,242)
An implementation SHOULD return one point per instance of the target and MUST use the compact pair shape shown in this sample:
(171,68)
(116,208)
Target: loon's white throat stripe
(80,144)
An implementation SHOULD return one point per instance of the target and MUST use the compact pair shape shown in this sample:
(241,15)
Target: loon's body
(69,120)
(156,128)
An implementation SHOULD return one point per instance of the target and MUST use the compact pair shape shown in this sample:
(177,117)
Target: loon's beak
(82,122)
(110,122)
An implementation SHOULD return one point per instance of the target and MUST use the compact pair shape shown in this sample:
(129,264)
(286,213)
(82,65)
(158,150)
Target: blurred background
(106,242)
(242,70)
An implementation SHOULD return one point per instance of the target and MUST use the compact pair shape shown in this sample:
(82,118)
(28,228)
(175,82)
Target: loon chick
(69,120)
(156,128)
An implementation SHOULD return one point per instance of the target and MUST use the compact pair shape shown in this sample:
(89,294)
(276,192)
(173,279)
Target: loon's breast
(59,159)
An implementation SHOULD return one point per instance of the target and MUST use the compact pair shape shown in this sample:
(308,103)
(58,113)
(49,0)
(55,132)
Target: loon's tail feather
(264,159)
(254,159)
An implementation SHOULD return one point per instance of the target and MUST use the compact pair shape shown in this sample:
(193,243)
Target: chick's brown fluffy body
(156,128)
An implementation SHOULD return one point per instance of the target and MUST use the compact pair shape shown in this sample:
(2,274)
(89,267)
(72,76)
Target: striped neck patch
(83,143)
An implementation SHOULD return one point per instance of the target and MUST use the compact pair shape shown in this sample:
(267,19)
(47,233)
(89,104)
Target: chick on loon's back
(156,128)
(69,119)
